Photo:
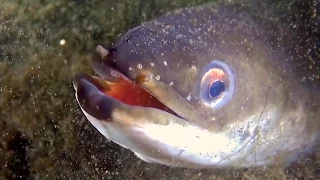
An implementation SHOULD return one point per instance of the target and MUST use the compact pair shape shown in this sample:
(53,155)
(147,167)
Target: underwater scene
(160,89)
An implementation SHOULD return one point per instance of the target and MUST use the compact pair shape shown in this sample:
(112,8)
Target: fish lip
(107,70)
(79,81)
(89,96)
(90,90)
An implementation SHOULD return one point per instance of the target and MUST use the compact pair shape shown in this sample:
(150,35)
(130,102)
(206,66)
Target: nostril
(103,52)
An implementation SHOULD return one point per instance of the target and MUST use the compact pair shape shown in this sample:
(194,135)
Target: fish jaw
(156,136)
(172,145)
(153,135)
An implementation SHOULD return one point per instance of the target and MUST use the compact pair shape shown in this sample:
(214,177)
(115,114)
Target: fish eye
(217,84)
(217,88)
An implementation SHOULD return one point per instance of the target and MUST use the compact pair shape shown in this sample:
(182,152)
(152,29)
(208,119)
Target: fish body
(203,87)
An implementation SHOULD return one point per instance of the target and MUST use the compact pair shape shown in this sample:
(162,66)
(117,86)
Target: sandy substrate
(44,43)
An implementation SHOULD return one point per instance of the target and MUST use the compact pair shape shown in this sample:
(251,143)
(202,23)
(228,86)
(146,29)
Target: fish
(203,87)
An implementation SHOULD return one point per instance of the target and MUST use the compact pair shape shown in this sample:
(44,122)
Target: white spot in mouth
(158,77)
(162,54)
(130,68)
(165,63)
(140,66)
(152,64)
(188,97)
(62,42)
(171,83)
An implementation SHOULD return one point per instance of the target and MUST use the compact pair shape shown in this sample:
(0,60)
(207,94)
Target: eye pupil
(217,88)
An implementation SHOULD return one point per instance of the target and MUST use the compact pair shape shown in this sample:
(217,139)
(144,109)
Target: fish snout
(90,97)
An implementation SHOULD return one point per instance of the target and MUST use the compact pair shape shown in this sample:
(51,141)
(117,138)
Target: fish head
(196,88)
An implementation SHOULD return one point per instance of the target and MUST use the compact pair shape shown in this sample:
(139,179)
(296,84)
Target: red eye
(214,74)
(214,79)
(217,84)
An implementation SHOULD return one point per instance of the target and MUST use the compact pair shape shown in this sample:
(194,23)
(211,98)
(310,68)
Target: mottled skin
(273,116)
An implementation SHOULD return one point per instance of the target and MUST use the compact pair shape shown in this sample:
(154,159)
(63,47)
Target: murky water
(44,43)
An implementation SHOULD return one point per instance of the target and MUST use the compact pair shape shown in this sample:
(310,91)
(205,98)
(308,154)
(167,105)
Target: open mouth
(97,93)
(111,90)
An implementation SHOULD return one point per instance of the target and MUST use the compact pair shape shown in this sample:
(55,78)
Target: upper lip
(92,91)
